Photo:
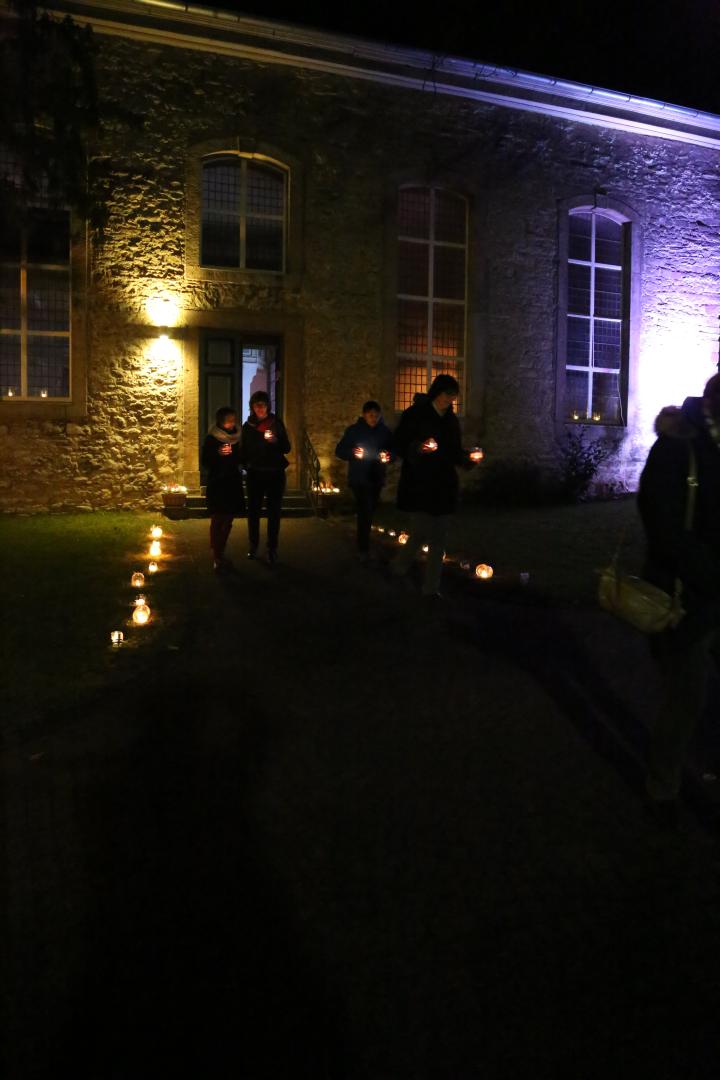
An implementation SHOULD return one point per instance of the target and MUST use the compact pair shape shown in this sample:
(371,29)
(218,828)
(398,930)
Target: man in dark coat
(220,460)
(693,556)
(366,447)
(265,443)
(428,439)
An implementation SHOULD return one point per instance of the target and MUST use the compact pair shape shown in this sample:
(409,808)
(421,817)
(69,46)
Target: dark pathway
(337,836)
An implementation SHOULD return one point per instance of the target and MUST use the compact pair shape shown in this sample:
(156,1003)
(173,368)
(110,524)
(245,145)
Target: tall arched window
(597,317)
(432,289)
(244,213)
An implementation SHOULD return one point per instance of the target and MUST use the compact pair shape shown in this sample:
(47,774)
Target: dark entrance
(232,367)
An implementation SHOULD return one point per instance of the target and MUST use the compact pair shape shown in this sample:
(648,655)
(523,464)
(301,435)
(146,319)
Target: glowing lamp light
(483,571)
(162,311)
(116,637)
(152,568)
(426,548)
(403,538)
(155,549)
(156,532)
(137,580)
(141,614)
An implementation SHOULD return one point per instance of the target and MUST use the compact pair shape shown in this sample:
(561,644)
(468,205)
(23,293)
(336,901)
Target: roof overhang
(189,26)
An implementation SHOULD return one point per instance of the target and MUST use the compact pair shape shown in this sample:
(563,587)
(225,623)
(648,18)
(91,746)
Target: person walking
(428,439)
(221,461)
(366,446)
(264,446)
(688,443)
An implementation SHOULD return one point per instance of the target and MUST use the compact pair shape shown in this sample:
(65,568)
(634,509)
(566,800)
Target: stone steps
(295,504)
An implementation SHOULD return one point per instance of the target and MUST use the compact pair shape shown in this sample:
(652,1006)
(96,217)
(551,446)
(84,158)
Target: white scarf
(224,436)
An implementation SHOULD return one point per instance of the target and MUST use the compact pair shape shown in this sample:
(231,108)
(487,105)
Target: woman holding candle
(221,462)
(264,446)
(366,447)
(428,439)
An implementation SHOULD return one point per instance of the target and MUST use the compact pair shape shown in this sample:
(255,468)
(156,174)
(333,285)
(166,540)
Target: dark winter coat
(260,453)
(224,492)
(429,482)
(369,469)
(693,556)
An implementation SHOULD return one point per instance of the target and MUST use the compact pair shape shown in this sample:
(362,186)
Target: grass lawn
(67,585)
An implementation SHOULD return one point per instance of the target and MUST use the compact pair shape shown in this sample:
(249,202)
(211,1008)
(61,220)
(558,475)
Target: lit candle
(596,416)
(43,393)
(403,538)
(426,548)
(140,600)
(117,637)
(269,435)
(11,393)
(575,415)
(381,528)
(155,549)
(141,614)
(152,568)
(477,453)
(156,532)
(137,580)
(391,532)
(430,444)
(482,570)
(384,457)
(359,452)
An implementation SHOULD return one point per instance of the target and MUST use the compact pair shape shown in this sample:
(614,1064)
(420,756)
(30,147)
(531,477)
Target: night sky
(667,50)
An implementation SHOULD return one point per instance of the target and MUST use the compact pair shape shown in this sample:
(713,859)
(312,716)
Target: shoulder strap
(692,482)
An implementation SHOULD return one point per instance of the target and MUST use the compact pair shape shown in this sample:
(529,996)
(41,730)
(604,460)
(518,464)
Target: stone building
(336,219)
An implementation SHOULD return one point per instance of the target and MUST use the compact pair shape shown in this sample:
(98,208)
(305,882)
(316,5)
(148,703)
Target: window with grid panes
(597,317)
(244,211)
(432,289)
(35,306)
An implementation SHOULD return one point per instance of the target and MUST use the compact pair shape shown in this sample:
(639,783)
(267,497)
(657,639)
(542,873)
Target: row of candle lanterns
(482,570)
(142,612)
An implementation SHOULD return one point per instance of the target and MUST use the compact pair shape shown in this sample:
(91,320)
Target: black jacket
(261,453)
(692,556)
(429,482)
(224,492)
(367,469)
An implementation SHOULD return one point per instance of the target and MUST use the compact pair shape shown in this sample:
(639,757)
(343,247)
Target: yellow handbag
(637,602)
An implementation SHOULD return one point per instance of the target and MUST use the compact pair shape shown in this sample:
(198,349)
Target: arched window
(244,213)
(432,289)
(596,319)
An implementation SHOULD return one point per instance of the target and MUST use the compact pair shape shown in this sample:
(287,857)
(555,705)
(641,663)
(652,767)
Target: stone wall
(351,143)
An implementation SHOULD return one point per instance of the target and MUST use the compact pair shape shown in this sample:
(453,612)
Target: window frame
(599,206)
(262,152)
(242,210)
(430,359)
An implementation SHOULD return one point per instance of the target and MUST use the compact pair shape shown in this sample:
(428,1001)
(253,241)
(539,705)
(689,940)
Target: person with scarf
(692,556)
(264,446)
(366,447)
(221,461)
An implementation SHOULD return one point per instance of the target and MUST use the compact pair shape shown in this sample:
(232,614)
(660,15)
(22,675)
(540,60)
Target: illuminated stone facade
(348,139)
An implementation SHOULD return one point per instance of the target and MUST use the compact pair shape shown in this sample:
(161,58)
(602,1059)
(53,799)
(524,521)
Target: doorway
(232,367)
